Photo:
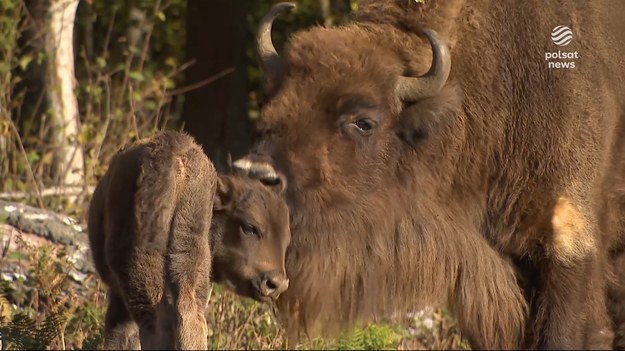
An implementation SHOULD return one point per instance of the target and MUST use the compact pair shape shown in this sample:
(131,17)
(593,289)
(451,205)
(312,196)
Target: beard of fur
(383,258)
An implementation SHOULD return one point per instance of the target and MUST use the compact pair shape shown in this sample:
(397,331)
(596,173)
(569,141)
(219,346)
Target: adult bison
(494,182)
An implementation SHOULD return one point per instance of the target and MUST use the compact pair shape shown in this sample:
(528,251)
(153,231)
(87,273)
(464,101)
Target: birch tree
(68,166)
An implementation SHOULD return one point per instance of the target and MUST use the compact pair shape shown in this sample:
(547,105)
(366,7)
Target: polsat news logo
(561,36)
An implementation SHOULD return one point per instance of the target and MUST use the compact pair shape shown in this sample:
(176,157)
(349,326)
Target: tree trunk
(327,13)
(68,155)
(335,12)
(216,114)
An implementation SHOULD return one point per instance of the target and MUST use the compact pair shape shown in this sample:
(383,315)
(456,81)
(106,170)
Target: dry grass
(45,307)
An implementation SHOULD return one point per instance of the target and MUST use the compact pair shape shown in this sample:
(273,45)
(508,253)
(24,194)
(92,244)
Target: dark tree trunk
(216,114)
(32,79)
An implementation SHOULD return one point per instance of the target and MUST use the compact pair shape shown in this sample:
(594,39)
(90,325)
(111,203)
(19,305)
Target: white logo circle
(561,35)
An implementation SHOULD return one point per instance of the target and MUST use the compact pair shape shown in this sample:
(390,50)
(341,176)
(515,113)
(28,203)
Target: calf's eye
(249,229)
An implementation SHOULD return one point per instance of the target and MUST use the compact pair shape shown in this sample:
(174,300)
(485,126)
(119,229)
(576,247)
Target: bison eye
(249,229)
(364,125)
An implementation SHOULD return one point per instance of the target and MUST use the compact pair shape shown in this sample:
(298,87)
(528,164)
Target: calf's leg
(140,276)
(188,259)
(120,330)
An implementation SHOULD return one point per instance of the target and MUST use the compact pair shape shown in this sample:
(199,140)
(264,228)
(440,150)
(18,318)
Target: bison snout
(255,167)
(272,286)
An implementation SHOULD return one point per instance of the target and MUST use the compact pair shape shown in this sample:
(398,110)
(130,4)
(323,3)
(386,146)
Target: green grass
(17,255)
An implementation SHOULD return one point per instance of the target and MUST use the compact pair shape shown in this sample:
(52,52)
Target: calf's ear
(426,117)
(223,194)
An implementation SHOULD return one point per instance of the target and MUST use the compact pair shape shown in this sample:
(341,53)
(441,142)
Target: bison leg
(573,308)
(487,301)
(120,330)
(191,332)
(165,323)
(140,277)
(190,304)
(146,295)
(188,260)
(572,303)
(614,226)
(190,286)
(616,298)
(598,332)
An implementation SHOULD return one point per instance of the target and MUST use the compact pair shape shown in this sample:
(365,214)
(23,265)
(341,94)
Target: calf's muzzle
(271,285)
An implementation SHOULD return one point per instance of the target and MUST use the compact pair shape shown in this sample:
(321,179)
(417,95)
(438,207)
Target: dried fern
(23,333)
(5,310)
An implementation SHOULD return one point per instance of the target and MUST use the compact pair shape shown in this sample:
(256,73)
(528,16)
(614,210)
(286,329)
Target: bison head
(344,112)
(350,130)
(250,235)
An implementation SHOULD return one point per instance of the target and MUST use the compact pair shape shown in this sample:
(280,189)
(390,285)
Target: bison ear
(426,117)
(223,193)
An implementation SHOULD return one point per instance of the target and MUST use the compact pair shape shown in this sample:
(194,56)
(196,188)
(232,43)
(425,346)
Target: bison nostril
(273,287)
(268,287)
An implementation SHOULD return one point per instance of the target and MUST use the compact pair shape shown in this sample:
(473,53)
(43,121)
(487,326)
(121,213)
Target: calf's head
(249,237)
(346,109)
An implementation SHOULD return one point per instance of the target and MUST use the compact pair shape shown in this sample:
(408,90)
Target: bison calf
(163,224)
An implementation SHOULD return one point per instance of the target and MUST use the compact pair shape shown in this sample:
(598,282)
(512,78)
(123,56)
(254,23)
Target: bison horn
(411,89)
(269,59)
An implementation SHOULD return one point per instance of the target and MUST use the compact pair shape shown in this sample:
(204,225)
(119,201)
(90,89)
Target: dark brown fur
(501,195)
(162,224)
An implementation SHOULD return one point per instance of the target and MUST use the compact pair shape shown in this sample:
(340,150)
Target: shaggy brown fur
(158,219)
(500,195)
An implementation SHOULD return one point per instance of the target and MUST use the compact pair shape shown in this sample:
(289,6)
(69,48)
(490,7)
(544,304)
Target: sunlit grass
(43,307)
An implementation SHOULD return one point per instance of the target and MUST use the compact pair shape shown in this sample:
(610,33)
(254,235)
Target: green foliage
(11,12)
(47,309)
(371,337)
(121,28)
(306,14)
